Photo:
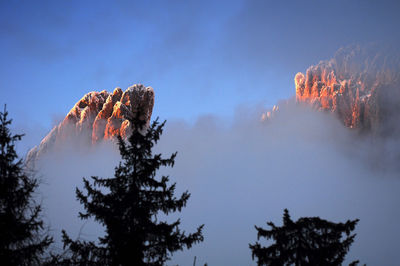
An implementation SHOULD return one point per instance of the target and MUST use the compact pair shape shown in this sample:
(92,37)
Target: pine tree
(22,241)
(129,205)
(308,241)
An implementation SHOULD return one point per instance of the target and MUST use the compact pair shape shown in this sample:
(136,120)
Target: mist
(244,173)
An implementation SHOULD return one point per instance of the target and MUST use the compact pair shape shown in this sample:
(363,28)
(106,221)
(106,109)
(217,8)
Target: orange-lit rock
(98,116)
(361,85)
(100,123)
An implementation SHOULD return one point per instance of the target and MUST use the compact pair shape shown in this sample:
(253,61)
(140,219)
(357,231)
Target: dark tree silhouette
(308,241)
(128,206)
(22,241)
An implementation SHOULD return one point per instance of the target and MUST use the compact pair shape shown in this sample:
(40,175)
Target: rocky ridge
(99,116)
(360,85)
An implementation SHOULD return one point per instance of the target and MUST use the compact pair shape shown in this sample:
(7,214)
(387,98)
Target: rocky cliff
(361,85)
(98,116)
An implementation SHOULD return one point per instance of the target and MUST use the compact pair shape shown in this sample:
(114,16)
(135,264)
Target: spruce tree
(129,205)
(308,241)
(22,241)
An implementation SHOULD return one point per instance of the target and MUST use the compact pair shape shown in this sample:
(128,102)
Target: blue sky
(209,59)
(201,57)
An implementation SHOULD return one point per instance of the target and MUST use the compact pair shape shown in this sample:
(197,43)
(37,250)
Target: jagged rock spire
(361,85)
(98,116)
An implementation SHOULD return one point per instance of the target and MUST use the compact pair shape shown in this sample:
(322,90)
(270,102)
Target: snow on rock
(98,116)
(361,85)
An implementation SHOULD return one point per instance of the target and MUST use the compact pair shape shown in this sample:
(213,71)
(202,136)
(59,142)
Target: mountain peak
(361,85)
(99,116)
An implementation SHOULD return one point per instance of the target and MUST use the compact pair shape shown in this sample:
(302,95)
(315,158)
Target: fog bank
(244,174)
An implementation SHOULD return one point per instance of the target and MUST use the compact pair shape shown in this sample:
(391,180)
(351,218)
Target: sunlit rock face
(99,116)
(361,85)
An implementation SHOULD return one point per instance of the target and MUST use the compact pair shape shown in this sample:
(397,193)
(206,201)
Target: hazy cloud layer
(245,174)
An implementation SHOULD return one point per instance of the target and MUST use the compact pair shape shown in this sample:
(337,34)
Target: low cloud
(244,174)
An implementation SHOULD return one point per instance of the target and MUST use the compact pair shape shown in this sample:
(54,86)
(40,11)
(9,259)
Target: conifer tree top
(128,206)
(21,238)
(308,241)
